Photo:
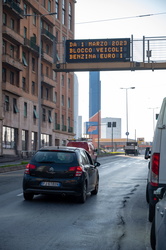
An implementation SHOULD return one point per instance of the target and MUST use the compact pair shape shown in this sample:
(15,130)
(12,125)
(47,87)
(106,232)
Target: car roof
(60,148)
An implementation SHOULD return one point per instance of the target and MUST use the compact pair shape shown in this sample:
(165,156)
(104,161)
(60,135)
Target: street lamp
(127,132)
(154,117)
(39,73)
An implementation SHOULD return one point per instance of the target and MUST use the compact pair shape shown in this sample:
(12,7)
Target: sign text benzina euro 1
(101,50)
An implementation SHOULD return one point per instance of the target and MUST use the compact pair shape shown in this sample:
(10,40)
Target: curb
(12,168)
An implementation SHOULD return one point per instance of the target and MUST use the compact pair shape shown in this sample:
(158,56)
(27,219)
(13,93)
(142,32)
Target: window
(3,75)
(63,11)
(24,59)
(15,108)
(12,77)
(68,102)
(35,114)
(25,9)
(47,49)
(34,141)
(57,8)
(68,83)
(47,71)
(25,109)
(44,3)
(55,97)
(25,32)
(70,17)
(11,50)
(33,88)
(62,81)
(12,23)
(8,137)
(33,63)
(24,83)
(4,19)
(6,103)
(24,140)
(47,94)
(34,18)
(49,116)
(63,100)
(44,115)
(49,6)
(4,47)
(46,140)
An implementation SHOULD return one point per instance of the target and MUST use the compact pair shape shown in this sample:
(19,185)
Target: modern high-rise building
(36,104)
(93,126)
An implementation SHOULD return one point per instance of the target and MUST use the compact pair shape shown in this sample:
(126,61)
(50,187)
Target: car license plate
(50,184)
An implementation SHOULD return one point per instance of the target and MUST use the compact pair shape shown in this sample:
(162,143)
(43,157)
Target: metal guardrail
(148,49)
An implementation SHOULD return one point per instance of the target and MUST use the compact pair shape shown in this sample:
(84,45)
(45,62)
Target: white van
(157,164)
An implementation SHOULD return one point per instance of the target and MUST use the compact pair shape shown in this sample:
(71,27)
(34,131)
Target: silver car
(158,228)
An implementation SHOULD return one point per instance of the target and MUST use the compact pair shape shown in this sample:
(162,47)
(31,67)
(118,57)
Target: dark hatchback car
(61,170)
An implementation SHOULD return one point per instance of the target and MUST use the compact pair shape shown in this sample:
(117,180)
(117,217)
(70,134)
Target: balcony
(7,86)
(47,35)
(47,57)
(12,35)
(31,45)
(47,81)
(48,103)
(57,126)
(13,8)
(12,62)
(64,127)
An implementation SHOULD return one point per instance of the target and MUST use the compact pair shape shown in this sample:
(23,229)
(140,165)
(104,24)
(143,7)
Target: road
(115,219)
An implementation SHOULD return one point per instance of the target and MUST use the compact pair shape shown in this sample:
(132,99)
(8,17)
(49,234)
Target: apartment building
(36,104)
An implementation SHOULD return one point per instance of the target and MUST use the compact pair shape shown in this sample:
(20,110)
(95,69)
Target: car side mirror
(97,164)
(160,192)
(147,153)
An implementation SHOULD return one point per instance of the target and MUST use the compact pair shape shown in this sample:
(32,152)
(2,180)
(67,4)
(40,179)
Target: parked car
(158,228)
(61,170)
(157,167)
(87,145)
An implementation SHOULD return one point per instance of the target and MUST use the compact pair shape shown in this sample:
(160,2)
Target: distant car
(158,228)
(87,145)
(61,170)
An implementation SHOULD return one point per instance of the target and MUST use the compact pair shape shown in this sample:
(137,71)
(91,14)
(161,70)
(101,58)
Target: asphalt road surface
(115,219)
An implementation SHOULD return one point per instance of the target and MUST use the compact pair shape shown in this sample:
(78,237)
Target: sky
(96,19)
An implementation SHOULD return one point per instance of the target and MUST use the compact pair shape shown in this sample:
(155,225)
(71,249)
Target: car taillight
(78,170)
(155,169)
(28,168)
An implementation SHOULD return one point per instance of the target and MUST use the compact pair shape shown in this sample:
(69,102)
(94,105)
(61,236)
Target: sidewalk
(8,164)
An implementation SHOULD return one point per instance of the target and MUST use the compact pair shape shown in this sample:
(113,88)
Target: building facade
(32,35)
(109,132)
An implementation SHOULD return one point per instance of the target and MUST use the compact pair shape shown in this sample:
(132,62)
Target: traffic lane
(62,223)
(130,188)
(10,181)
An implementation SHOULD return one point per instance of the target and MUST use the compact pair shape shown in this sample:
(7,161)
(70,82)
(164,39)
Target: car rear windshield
(55,157)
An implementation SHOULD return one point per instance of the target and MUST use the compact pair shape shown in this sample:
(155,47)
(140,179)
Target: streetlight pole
(39,75)
(127,132)
(154,117)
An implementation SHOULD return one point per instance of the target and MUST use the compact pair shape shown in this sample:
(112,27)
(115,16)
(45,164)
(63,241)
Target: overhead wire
(122,18)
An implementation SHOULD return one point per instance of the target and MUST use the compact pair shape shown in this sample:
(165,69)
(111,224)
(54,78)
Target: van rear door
(160,141)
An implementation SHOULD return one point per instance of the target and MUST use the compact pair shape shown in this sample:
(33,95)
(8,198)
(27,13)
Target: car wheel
(147,194)
(151,212)
(95,191)
(82,197)
(153,236)
(28,196)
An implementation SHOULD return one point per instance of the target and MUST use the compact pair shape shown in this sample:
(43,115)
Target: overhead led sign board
(98,50)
